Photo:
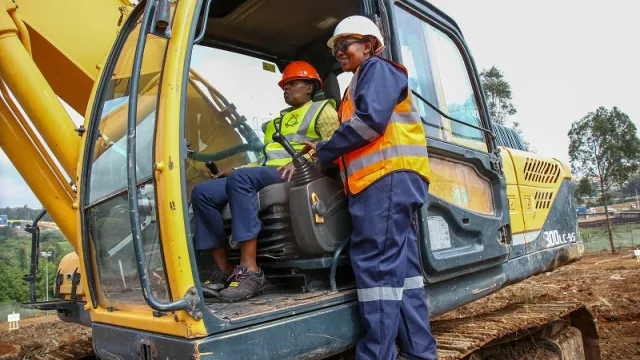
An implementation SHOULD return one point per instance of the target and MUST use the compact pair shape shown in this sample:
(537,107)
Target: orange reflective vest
(403,146)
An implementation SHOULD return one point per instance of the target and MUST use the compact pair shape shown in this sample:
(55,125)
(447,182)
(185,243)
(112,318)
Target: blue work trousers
(384,257)
(240,190)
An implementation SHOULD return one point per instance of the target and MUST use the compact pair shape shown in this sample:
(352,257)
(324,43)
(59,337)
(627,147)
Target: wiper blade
(435,108)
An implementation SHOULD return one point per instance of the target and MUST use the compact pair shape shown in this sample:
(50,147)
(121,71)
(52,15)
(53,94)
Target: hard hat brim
(281,83)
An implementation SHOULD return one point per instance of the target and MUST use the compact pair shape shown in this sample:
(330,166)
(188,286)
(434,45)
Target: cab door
(130,264)
(464,226)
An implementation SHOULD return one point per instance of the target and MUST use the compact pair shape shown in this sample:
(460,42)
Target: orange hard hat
(299,70)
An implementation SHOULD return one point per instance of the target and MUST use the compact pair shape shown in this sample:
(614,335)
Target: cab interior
(246,45)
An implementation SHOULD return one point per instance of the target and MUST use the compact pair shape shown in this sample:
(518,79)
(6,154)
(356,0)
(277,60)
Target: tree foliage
(498,94)
(604,145)
(583,189)
(15,260)
(631,186)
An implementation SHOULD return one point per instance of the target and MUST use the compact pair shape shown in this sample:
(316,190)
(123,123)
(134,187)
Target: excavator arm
(70,57)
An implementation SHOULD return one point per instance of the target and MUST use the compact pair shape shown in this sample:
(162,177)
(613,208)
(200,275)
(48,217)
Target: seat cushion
(276,194)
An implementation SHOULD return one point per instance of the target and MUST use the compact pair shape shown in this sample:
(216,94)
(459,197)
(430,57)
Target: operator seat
(330,89)
(276,239)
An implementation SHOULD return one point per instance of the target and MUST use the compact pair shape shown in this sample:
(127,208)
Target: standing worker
(307,120)
(381,150)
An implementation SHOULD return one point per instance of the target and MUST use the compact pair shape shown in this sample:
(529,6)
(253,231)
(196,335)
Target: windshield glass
(230,97)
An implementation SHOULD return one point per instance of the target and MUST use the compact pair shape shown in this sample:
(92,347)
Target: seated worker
(307,121)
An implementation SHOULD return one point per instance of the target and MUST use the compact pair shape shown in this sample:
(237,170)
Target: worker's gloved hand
(288,169)
(222,173)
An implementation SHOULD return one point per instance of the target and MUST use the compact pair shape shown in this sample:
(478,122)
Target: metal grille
(541,171)
(543,199)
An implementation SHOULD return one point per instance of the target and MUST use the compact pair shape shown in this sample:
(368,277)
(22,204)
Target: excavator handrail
(190,300)
(35,245)
(205,19)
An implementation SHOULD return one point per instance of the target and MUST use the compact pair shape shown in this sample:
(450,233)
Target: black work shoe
(244,284)
(217,281)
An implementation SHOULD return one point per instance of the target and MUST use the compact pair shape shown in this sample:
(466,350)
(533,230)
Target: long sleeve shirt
(326,124)
(381,86)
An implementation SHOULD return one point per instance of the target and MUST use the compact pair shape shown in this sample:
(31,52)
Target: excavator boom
(69,42)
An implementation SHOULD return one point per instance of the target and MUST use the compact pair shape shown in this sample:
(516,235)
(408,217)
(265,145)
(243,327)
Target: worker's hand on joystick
(222,173)
(287,169)
(309,148)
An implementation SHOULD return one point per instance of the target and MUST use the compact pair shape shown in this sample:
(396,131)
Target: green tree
(604,145)
(22,258)
(498,93)
(631,186)
(583,189)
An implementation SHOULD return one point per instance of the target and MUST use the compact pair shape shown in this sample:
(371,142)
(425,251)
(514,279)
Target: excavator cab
(189,86)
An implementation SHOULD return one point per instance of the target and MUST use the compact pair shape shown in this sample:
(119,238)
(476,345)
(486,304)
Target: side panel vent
(541,171)
(543,199)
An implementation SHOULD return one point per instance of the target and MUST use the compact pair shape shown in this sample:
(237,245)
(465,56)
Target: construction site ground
(609,285)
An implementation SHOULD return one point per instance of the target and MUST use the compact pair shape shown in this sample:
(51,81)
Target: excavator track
(464,337)
(461,338)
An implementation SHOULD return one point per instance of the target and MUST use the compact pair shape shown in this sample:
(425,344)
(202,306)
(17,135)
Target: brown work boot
(244,284)
(218,280)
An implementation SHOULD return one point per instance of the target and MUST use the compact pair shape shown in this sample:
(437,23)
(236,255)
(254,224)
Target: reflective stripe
(277,154)
(380,293)
(293,138)
(386,153)
(344,178)
(389,293)
(308,118)
(406,118)
(363,129)
(415,282)
(298,138)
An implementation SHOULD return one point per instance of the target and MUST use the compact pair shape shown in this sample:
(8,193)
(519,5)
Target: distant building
(4,221)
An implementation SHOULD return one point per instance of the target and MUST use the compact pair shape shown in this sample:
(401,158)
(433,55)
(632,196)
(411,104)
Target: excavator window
(107,207)
(229,97)
(437,71)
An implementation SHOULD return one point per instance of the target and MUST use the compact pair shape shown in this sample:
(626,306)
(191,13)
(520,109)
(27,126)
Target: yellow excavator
(173,89)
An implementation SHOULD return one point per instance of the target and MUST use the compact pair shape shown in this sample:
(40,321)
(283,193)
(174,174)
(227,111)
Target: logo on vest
(292,121)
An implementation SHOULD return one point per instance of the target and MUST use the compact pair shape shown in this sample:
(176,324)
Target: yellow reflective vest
(297,126)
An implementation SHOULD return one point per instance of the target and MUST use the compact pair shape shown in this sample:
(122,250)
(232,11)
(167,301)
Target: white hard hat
(357,25)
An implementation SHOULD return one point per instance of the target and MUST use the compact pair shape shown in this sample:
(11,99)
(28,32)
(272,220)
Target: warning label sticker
(439,237)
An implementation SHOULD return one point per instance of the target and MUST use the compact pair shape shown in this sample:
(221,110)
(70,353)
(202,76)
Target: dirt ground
(608,284)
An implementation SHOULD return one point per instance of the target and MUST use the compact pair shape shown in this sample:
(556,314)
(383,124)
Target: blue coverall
(383,250)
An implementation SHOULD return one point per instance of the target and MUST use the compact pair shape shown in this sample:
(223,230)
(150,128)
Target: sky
(563,59)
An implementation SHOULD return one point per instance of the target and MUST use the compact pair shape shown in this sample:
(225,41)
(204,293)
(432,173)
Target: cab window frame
(92,133)
(432,18)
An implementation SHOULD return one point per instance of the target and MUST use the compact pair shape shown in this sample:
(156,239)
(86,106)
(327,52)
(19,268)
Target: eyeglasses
(343,46)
